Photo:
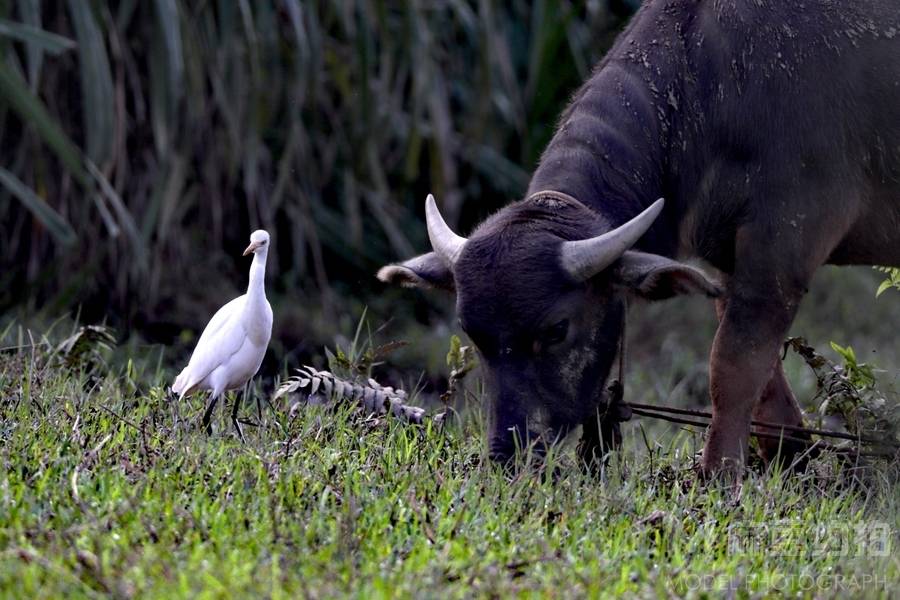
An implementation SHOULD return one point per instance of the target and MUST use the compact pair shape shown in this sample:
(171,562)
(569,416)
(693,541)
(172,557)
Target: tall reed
(143,140)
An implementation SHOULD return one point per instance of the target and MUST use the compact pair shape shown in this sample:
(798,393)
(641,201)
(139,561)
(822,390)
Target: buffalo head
(541,288)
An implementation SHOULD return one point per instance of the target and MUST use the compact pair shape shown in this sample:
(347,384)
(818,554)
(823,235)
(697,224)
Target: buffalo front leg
(774,261)
(778,405)
(743,357)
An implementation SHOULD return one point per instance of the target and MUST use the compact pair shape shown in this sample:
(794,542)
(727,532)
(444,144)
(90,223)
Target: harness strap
(622,346)
(617,410)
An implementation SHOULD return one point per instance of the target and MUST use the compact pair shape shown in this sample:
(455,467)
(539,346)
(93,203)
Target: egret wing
(219,319)
(221,339)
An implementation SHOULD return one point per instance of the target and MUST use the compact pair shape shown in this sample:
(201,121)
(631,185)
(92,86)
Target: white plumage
(232,346)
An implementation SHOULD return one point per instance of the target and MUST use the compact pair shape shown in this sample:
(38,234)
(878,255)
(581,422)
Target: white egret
(232,346)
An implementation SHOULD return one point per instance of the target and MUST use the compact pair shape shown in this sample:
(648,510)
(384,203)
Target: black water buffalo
(772,131)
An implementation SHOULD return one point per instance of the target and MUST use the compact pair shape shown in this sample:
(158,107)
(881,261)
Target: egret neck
(256,289)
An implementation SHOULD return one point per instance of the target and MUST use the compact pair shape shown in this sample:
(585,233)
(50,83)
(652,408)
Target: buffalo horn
(583,259)
(446,244)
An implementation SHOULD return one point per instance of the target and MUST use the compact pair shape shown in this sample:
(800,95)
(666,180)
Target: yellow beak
(253,246)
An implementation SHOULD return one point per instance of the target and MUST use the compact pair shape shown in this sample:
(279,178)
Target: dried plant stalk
(371,396)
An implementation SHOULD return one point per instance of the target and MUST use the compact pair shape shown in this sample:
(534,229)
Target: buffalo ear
(655,277)
(424,271)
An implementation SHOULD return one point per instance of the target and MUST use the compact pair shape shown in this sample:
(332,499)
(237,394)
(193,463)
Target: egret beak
(253,246)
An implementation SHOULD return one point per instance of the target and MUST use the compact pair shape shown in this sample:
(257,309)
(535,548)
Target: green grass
(107,487)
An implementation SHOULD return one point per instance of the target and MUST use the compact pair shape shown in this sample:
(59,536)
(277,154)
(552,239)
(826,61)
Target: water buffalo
(772,131)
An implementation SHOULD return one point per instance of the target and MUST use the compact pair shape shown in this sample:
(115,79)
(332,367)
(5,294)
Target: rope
(765,435)
(643,408)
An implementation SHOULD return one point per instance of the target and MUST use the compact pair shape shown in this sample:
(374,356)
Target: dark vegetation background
(142,141)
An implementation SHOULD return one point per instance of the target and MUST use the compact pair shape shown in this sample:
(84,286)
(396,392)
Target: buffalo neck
(611,150)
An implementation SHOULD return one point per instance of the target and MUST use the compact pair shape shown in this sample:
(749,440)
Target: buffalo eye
(555,334)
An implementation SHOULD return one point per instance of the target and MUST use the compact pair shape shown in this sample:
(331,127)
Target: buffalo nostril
(501,450)
(501,457)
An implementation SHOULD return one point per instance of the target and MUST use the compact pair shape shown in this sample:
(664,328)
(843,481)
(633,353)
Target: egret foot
(234,419)
(207,414)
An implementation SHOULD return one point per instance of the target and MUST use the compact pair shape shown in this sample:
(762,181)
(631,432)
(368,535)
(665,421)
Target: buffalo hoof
(787,455)
(728,476)
(501,450)
(513,457)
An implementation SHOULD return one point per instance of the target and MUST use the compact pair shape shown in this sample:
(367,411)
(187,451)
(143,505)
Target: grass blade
(30,14)
(170,31)
(300,36)
(56,225)
(96,82)
(36,38)
(124,217)
(33,112)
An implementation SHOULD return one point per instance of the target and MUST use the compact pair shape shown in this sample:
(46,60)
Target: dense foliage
(142,141)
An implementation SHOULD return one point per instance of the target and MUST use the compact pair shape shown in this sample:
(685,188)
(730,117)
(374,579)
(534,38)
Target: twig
(131,424)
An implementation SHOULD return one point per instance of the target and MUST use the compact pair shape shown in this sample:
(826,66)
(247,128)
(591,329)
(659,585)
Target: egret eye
(556,333)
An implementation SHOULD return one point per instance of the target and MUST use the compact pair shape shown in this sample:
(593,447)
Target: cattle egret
(232,346)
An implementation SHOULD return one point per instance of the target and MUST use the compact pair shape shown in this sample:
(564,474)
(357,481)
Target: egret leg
(234,419)
(207,414)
